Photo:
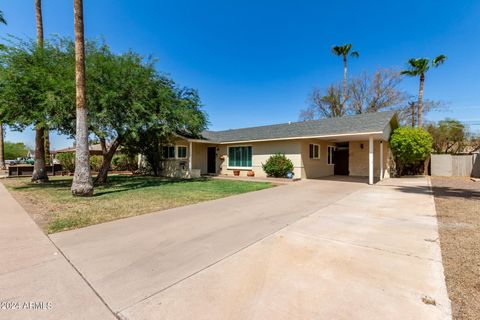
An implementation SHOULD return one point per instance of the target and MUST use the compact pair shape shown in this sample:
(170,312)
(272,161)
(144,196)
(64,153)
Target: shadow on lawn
(115,184)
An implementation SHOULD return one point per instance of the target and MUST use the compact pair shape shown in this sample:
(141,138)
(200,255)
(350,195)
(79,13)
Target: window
(331,155)
(168,152)
(240,156)
(314,151)
(181,152)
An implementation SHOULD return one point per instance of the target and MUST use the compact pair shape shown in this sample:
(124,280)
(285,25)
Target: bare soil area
(457,201)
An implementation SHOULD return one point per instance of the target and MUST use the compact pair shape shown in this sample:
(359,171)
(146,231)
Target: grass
(54,209)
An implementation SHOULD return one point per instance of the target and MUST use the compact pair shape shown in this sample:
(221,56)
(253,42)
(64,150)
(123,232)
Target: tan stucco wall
(261,151)
(315,168)
(358,158)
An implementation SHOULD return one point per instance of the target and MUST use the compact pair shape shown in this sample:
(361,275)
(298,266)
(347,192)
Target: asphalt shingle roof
(363,123)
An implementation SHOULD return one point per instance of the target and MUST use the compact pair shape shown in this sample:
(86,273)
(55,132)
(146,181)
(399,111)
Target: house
(351,145)
(95,150)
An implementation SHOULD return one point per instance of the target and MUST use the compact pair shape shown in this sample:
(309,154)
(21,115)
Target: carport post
(190,157)
(381,160)
(370,160)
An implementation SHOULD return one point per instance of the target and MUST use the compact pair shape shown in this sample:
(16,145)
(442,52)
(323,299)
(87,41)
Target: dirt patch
(457,201)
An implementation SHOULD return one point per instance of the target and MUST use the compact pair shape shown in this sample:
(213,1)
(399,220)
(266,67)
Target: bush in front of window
(278,166)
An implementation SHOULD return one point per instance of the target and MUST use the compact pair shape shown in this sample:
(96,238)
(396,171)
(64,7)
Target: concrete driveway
(315,249)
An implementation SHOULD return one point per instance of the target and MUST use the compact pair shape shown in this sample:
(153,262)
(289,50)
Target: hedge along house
(350,145)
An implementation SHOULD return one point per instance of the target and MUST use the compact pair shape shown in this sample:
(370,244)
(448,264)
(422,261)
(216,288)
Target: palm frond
(342,50)
(355,54)
(410,73)
(337,50)
(439,60)
(2,18)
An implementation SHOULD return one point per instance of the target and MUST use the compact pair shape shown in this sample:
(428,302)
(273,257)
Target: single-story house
(95,150)
(354,145)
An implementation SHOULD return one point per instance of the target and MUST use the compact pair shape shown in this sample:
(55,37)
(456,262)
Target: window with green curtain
(240,156)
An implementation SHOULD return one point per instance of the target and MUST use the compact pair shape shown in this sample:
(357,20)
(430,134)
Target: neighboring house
(95,149)
(350,145)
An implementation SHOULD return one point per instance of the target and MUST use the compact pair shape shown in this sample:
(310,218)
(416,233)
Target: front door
(212,160)
(341,160)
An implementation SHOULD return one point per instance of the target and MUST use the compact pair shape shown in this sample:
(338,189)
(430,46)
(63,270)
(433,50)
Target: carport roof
(375,122)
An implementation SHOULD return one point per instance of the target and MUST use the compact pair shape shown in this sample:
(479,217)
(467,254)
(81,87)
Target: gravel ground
(457,201)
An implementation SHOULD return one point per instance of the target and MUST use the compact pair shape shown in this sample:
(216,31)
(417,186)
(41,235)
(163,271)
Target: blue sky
(255,62)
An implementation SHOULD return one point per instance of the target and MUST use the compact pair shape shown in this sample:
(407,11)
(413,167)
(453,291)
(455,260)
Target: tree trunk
(2,149)
(47,146)
(39,19)
(344,81)
(420,100)
(39,169)
(107,159)
(413,114)
(82,179)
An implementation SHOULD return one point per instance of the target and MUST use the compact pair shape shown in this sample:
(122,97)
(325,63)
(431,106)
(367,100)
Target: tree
(324,105)
(376,92)
(2,150)
(39,169)
(2,18)
(367,93)
(32,83)
(449,136)
(82,184)
(15,150)
(344,51)
(410,147)
(418,68)
(131,105)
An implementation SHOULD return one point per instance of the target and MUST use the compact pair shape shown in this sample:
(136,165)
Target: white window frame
(313,155)
(177,153)
(228,157)
(330,155)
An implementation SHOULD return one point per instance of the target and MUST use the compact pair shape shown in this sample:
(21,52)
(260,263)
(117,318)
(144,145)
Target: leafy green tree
(31,80)
(15,150)
(344,52)
(410,147)
(449,136)
(418,68)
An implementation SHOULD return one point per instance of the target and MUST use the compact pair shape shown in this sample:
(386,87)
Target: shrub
(67,160)
(96,162)
(122,162)
(278,166)
(410,147)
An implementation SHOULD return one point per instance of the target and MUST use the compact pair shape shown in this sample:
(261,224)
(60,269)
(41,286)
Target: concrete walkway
(309,250)
(36,281)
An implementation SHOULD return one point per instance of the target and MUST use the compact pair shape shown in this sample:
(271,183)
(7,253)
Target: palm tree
(39,170)
(2,18)
(344,51)
(418,67)
(2,148)
(82,180)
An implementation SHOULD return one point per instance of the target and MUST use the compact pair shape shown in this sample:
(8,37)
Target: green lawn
(54,209)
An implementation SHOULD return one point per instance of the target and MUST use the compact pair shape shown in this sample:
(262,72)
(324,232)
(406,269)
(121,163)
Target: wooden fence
(448,165)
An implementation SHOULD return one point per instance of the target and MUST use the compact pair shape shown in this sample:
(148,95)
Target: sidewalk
(36,281)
